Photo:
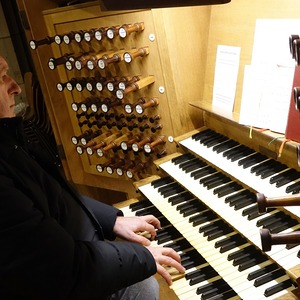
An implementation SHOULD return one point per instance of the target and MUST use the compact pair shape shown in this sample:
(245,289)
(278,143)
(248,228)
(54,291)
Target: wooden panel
(233,24)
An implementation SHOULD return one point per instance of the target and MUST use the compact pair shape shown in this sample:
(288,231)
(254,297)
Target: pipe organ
(129,97)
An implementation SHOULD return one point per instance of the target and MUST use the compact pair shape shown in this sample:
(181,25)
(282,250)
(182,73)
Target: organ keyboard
(208,197)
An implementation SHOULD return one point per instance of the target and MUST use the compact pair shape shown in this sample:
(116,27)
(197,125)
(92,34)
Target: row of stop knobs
(122,167)
(97,34)
(95,104)
(101,143)
(101,59)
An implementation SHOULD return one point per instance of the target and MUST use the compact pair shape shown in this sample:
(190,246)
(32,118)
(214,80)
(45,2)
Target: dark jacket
(51,245)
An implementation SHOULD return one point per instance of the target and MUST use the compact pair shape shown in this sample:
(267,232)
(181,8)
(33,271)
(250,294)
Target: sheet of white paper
(226,72)
(271,41)
(268,81)
(266,96)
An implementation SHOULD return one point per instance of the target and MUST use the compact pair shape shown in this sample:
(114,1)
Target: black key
(245,152)
(202,134)
(252,160)
(230,243)
(293,188)
(225,295)
(268,277)
(284,177)
(179,245)
(243,201)
(188,163)
(206,273)
(227,189)
(273,170)
(262,271)
(140,204)
(184,157)
(196,165)
(211,178)
(170,190)
(240,252)
(203,172)
(161,181)
(152,210)
(225,146)
(270,219)
(216,141)
(250,210)
(209,286)
(252,262)
(278,287)
(245,194)
(176,199)
(261,166)
(203,217)
(195,273)
(208,227)
(218,182)
(288,222)
(218,233)
(212,140)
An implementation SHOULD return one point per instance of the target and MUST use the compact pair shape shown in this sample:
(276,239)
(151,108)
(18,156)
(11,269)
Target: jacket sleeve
(43,261)
(105,214)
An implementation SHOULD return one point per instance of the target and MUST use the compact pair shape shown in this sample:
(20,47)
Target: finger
(145,234)
(140,239)
(175,274)
(164,274)
(151,230)
(171,262)
(171,253)
(152,220)
(174,264)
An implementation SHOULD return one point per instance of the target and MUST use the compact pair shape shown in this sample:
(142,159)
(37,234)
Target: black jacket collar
(12,131)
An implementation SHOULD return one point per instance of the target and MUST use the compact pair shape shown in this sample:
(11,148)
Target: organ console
(211,186)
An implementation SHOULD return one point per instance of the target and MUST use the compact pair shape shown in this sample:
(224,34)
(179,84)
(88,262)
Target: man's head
(8,89)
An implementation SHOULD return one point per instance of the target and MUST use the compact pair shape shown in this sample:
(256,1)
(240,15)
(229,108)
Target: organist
(56,244)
